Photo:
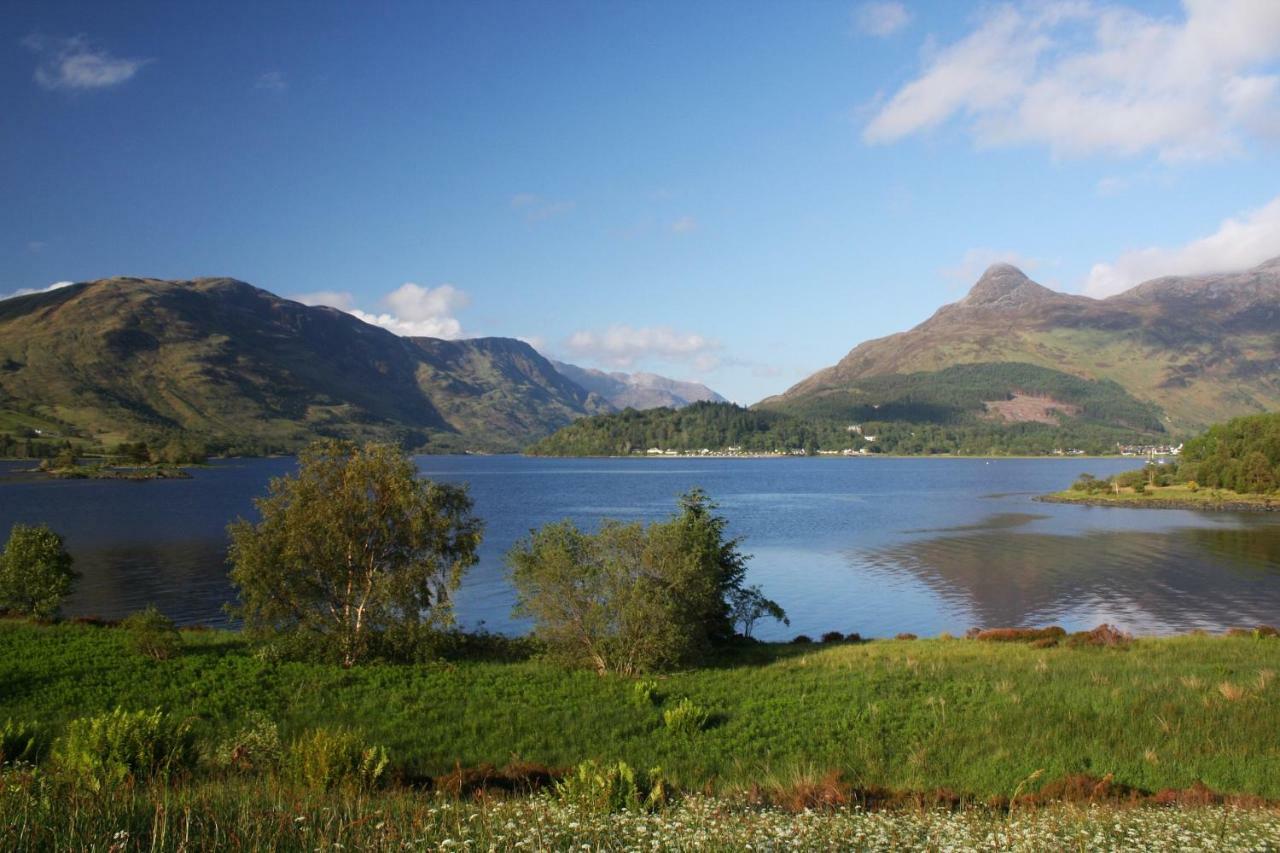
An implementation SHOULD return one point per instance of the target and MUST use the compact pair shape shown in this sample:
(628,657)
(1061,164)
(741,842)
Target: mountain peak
(1005,286)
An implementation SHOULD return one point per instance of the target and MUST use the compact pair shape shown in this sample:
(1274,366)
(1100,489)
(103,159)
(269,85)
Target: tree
(631,598)
(35,572)
(352,546)
(747,606)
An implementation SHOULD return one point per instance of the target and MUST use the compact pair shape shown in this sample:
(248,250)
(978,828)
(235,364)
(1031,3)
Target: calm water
(876,546)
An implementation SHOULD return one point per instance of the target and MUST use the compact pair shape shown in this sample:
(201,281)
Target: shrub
(327,757)
(1103,635)
(635,598)
(1020,635)
(21,743)
(149,632)
(122,746)
(35,572)
(646,692)
(802,640)
(906,636)
(255,748)
(603,789)
(1262,632)
(833,637)
(686,718)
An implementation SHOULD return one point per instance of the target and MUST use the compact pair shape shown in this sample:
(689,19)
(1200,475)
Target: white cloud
(1239,243)
(340,299)
(272,81)
(685,225)
(881,19)
(975,262)
(24,291)
(413,310)
(75,64)
(1084,77)
(623,346)
(535,208)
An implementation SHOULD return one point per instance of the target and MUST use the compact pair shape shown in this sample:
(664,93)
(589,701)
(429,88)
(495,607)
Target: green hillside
(246,371)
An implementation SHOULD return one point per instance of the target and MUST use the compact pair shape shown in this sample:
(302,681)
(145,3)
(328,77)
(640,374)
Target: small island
(1233,467)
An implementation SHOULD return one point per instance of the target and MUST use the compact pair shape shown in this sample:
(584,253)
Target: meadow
(978,720)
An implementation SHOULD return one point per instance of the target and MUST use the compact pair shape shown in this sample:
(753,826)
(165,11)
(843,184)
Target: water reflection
(1150,582)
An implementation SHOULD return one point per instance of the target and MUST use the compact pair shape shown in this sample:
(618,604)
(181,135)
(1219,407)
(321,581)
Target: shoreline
(1210,503)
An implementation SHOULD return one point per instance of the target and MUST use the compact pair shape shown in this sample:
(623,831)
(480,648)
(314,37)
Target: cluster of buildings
(1149,450)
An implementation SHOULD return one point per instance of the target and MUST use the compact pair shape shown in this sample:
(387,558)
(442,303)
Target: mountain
(1197,349)
(245,369)
(638,390)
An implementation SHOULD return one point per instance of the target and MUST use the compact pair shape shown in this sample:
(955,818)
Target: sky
(733,192)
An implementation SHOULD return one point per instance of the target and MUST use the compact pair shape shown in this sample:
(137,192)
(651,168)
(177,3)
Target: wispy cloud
(881,19)
(1084,77)
(72,64)
(412,309)
(624,346)
(1240,242)
(535,208)
(272,81)
(684,225)
(24,291)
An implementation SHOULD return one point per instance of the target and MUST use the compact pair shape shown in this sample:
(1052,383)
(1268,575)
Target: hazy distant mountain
(1200,348)
(224,360)
(638,390)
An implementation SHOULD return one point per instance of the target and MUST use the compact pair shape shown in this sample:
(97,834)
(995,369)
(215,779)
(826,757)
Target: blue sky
(737,192)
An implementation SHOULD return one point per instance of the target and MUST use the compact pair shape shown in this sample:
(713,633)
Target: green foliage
(631,598)
(999,711)
(330,757)
(1242,455)
(686,718)
(35,572)
(646,693)
(121,746)
(607,788)
(352,546)
(21,742)
(149,632)
(911,414)
(254,748)
(748,605)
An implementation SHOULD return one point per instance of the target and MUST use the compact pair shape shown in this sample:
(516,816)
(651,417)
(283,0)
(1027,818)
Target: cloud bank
(622,346)
(1087,78)
(413,310)
(881,19)
(24,291)
(1239,243)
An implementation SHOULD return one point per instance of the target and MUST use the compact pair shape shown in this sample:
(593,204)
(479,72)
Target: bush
(646,692)
(149,632)
(833,637)
(635,598)
(1020,635)
(21,743)
(801,640)
(254,749)
(123,746)
(604,789)
(328,757)
(686,718)
(35,572)
(906,635)
(1103,635)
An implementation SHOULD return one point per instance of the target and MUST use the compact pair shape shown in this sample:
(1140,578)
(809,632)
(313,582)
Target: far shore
(1170,497)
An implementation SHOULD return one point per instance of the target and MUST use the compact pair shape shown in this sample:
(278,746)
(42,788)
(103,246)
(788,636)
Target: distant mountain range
(1192,350)
(248,371)
(639,390)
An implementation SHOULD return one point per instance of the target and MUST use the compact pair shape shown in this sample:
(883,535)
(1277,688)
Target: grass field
(1171,497)
(972,717)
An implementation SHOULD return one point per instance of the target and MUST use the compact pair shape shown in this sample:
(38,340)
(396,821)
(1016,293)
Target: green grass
(977,718)
(1178,496)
